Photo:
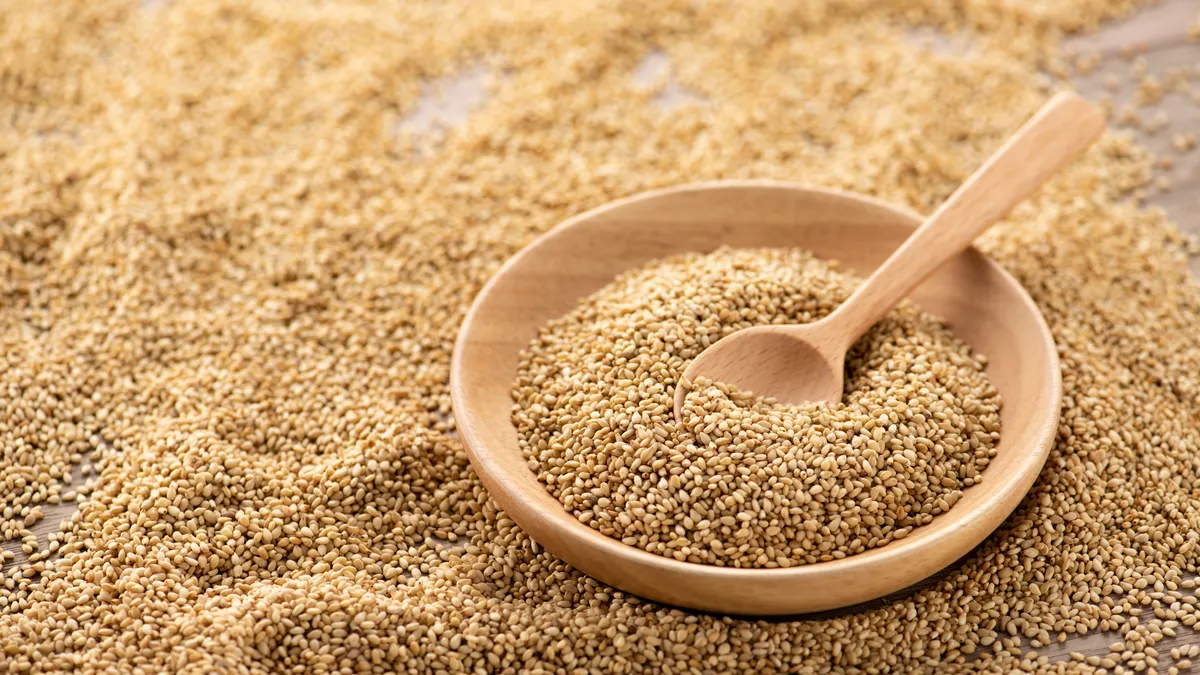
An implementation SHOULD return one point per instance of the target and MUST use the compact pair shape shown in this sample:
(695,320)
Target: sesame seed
(230,285)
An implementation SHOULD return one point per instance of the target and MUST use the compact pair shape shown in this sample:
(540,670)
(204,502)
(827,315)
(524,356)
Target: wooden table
(1159,35)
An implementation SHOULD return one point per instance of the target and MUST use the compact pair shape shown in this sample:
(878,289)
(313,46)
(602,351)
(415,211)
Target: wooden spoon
(800,363)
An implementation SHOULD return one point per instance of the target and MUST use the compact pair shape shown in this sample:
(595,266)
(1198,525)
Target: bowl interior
(983,305)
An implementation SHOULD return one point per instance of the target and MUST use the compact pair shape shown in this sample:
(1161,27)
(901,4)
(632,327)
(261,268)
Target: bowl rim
(590,543)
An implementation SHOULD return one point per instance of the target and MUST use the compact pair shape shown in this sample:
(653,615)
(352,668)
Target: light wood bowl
(982,303)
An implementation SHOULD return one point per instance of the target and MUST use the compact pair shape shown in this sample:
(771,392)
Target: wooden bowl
(983,304)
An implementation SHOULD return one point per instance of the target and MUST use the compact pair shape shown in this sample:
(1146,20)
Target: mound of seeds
(227,282)
(744,482)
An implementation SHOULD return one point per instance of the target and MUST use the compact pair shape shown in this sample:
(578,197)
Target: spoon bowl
(807,372)
(982,304)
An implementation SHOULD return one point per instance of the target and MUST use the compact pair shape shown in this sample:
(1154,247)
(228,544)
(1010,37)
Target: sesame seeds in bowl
(743,482)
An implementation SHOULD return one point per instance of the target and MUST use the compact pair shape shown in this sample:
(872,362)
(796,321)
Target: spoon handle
(1059,132)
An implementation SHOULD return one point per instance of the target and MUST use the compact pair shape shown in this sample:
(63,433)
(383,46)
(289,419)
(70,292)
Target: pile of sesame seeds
(226,281)
(740,481)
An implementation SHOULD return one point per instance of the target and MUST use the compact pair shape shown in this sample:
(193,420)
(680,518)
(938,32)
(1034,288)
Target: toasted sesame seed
(230,288)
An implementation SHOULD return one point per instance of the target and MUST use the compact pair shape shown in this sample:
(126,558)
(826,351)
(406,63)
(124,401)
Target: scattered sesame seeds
(1085,64)
(224,275)
(1129,117)
(1150,90)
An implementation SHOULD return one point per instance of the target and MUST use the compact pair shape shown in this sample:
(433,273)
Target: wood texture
(800,363)
(984,306)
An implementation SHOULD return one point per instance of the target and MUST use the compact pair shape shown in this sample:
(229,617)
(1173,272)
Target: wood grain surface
(1158,34)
